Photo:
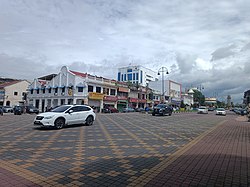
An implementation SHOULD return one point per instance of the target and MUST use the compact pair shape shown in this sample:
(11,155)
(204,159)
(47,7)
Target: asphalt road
(117,150)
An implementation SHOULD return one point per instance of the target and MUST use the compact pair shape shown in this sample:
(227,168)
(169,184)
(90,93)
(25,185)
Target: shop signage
(122,89)
(70,91)
(122,98)
(110,98)
(95,95)
(142,100)
(133,100)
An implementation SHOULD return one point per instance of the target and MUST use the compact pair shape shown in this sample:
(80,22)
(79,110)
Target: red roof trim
(78,73)
(9,83)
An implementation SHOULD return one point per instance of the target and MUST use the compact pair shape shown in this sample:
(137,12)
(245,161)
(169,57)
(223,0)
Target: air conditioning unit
(55,93)
(62,93)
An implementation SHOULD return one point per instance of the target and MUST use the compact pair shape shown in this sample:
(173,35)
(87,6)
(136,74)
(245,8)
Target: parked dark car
(18,110)
(243,112)
(162,109)
(1,111)
(129,109)
(7,109)
(110,110)
(139,109)
(32,110)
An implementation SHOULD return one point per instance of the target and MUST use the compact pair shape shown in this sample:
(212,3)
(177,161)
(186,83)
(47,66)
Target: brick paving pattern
(126,150)
(220,159)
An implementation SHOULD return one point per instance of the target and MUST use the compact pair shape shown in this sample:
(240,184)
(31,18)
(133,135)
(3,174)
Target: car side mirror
(70,111)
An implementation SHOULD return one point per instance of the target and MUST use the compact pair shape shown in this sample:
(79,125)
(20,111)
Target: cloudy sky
(202,43)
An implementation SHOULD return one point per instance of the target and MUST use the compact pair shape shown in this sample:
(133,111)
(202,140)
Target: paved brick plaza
(127,150)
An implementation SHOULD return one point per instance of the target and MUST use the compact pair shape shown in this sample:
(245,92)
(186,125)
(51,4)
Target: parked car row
(240,111)
(218,111)
(18,110)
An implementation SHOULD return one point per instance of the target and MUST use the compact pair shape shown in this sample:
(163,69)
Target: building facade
(72,87)
(169,89)
(13,93)
(136,75)
(188,98)
(246,99)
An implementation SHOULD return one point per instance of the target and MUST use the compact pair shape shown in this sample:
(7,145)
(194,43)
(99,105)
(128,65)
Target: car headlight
(48,117)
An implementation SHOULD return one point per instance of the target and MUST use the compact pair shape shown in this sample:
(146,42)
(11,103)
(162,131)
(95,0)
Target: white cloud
(202,64)
(87,34)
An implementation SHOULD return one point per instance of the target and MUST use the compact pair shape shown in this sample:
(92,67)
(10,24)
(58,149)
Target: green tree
(199,98)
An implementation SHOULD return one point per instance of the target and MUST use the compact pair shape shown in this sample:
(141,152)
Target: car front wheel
(89,120)
(59,123)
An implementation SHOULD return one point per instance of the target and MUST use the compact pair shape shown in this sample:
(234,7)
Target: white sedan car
(221,111)
(66,115)
(202,110)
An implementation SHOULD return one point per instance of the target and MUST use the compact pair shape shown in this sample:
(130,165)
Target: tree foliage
(199,98)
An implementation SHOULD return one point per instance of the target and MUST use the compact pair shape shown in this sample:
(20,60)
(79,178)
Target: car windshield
(202,107)
(161,106)
(221,109)
(61,108)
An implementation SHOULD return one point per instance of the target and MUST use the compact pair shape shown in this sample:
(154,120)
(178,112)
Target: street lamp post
(163,70)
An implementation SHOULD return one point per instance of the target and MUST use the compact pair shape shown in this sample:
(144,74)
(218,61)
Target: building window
(98,89)
(31,91)
(129,70)
(90,88)
(63,89)
(49,90)
(141,77)
(44,90)
(56,90)
(125,77)
(133,76)
(37,91)
(15,93)
(80,89)
(112,92)
(119,76)
(106,91)
(137,76)
(143,96)
(129,77)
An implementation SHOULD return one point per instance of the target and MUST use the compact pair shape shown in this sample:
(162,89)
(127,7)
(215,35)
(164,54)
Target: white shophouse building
(71,87)
(170,89)
(13,93)
(188,97)
(137,75)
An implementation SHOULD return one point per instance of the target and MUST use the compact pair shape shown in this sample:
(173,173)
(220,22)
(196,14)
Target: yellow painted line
(149,175)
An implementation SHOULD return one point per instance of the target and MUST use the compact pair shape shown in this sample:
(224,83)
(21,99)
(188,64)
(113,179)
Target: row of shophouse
(72,87)
(135,87)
